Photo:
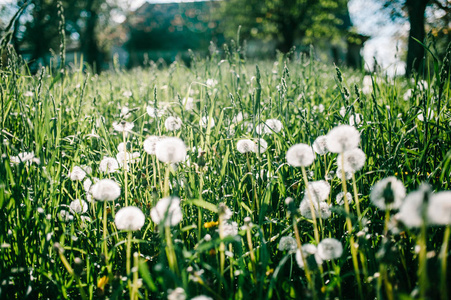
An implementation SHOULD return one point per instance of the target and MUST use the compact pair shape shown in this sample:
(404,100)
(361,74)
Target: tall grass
(66,118)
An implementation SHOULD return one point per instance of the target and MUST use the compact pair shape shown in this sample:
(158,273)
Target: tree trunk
(287,32)
(415,51)
(91,49)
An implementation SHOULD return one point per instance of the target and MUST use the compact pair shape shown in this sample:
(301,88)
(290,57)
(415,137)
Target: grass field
(229,232)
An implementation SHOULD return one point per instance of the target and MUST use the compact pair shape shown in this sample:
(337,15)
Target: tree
(415,12)
(85,22)
(284,20)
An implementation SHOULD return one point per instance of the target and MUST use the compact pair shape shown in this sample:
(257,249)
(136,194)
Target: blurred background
(356,33)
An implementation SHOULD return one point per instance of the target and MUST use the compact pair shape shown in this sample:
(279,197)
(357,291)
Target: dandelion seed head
(263,145)
(106,190)
(125,112)
(348,174)
(356,120)
(270,126)
(65,216)
(230,228)
(429,116)
(177,294)
(354,160)
(170,150)
(340,198)
(150,143)
(202,297)
(211,82)
(168,210)
(189,103)
(129,218)
(108,165)
(343,138)
(300,155)
(204,121)
(173,123)
(320,145)
(288,243)
(245,146)
(307,251)
(439,208)
(319,190)
(155,112)
(388,193)
(330,248)
(77,174)
(78,206)
(127,94)
(123,126)
(413,206)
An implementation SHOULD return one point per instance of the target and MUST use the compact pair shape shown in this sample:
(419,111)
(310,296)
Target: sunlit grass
(232,200)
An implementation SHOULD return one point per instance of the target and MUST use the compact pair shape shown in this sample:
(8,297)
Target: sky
(367,18)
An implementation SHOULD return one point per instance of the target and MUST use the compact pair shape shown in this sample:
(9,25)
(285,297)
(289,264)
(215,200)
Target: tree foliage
(437,24)
(285,20)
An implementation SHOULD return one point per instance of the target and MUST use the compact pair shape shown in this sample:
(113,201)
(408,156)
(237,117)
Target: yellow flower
(102,282)
(211,224)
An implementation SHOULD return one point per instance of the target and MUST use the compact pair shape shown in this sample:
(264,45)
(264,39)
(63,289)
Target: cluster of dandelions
(327,249)
(416,208)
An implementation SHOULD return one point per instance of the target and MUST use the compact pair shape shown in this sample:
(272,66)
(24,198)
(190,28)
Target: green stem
(422,263)
(312,208)
(444,257)
(356,199)
(125,168)
(251,251)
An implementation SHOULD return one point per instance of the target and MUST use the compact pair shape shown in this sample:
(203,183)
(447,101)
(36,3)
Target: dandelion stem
(133,294)
(444,257)
(422,262)
(221,245)
(349,227)
(125,168)
(172,260)
(251,251)
(356,199)
(312,208)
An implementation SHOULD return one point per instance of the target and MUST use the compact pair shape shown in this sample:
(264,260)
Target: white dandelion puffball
(78,206)
(439,209)
(321,209)
(348,174)
(320,145)
(177,294)
(245,146)
(150,143)
(354,160)
(340,198)
(22,157)
(123,126)
(77,174)
(407,95)
(108,165)
(106,190)
(230,228)
(263,146)
(388,193)
(173,123)
(189,103)
(410,212)
(125,112)
(356,120)
(343,111)
(122,147)
(343,138)
(307,251)
(211,82)
(127,94)
(65,216)
(168,210)
(429,116)
(170,150)
(129,218)
(204,121)
(202,297)
(287,243)
(300,155)
(324,211)
(271,126)
(87,184)
(154,112)
(367,85)
(239,117)
(319,190)
(330,248)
